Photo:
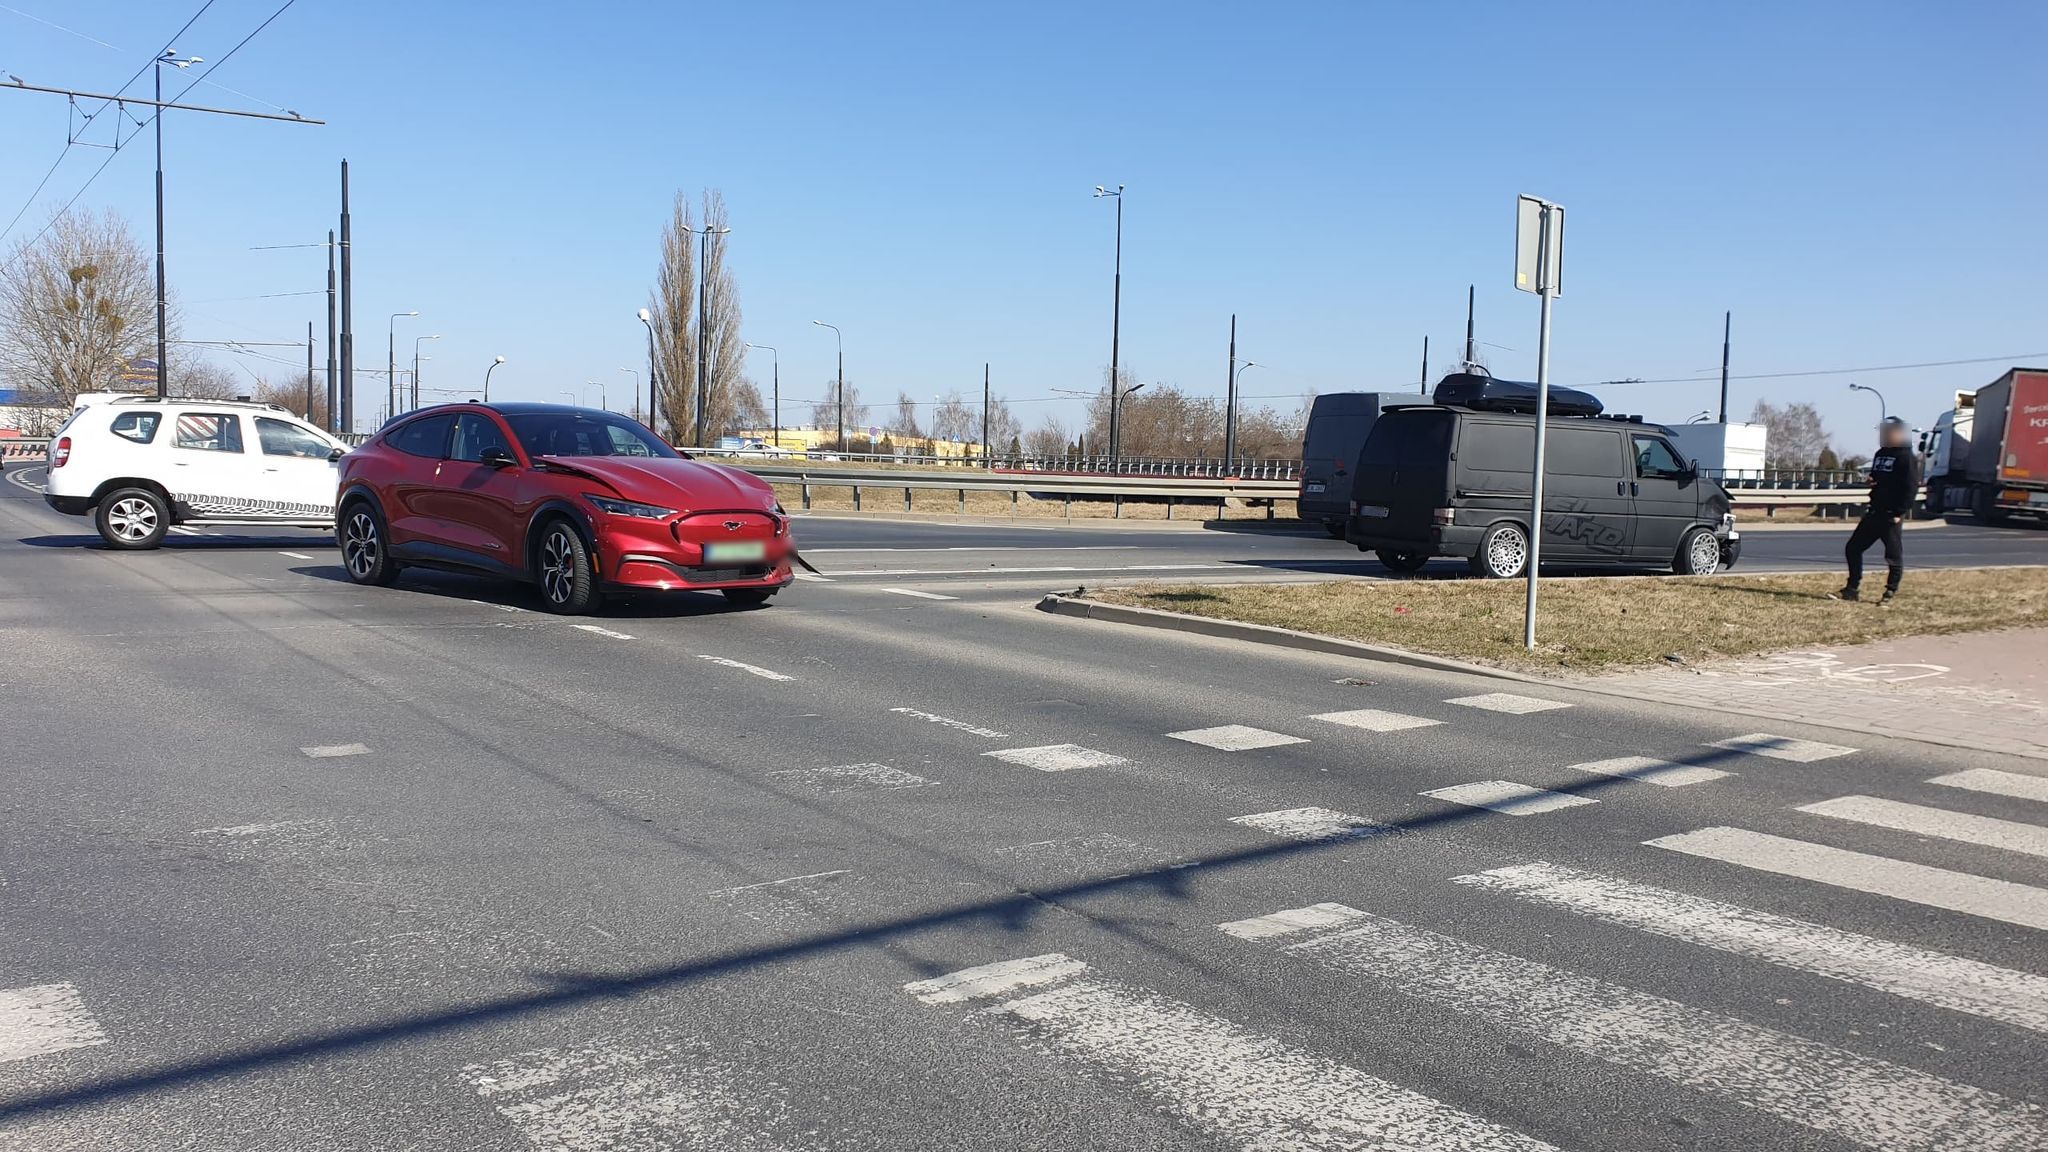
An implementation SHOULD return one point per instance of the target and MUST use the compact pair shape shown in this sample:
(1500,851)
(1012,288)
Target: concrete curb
(1060,605)
(1329,645)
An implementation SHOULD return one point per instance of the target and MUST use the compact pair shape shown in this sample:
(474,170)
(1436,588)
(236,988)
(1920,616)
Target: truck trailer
(1988,456)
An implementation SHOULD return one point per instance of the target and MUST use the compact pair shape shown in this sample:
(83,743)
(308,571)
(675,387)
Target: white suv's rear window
(137,426)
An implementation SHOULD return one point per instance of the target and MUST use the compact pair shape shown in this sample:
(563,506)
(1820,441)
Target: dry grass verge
(1610,622)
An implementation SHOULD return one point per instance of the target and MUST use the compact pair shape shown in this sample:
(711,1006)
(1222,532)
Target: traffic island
(1594,624)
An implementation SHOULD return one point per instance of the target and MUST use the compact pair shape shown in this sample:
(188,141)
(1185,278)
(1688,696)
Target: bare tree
(289,393)
(678,327)
(1004,428)
(904,425)
(76,305)
(725,354)
(674,307)
(953,420)
(825,413)
(1050,438)
(1793,435)
(204,380)
(748,412)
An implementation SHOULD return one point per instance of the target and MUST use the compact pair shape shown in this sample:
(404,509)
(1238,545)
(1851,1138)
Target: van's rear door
(1403,474)
(1338,426)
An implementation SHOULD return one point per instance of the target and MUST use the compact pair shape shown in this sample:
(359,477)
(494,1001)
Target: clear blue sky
(1862,183)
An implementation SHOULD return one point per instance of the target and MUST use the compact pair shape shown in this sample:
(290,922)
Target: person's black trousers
(1874,527)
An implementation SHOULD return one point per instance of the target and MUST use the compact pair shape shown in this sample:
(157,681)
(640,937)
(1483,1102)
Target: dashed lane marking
(323,751)
(1508,797)
(2011,835)
(1310,824)
(949,722)
(919,595)
(626,1098)
(45,1018)
(1871,1102)
(1651,771)
(749,669)
(1509,703)
(595,630)
(813,577)
(982,548)
(1374,720)
(1782,747)
(1235,738)
(1241,1088)
(850,778)
(2013,784)
(296,555)
(1057,757)
(2018,998)
(1863,872)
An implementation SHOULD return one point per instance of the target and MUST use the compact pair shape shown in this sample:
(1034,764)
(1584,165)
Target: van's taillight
(1444,515)
(60,452)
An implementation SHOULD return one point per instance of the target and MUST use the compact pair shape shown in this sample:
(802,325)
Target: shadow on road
(681,604)
(1010,913)
(90,541)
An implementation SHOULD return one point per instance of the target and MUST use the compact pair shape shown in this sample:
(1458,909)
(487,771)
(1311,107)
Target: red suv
(577,501)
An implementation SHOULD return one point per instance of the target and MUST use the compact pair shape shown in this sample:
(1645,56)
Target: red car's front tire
(568,580)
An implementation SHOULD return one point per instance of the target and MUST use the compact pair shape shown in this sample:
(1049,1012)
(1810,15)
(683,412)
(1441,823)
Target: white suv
(138,465)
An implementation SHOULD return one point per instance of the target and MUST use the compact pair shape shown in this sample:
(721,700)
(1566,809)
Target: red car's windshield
(573,433)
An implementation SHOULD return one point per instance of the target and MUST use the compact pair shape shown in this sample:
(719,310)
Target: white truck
(1723,451)
(1987,457)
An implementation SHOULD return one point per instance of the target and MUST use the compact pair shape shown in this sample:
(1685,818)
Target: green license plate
(735,552)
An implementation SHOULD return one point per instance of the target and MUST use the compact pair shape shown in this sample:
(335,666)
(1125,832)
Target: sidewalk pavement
(1983,690)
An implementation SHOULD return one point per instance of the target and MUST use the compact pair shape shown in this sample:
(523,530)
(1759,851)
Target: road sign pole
(1539,268)
(1536,483)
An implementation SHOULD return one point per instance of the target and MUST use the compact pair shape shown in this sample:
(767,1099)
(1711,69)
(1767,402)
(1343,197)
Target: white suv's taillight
(60,452)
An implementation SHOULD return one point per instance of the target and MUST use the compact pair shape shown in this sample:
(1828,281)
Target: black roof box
(1483,392)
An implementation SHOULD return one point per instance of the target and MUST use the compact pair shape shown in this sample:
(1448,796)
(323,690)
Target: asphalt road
(292,864)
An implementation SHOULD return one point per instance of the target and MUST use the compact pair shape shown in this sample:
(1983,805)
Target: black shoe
(1849,593)
(1886,599)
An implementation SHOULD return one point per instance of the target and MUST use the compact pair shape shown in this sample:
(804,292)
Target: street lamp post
(776,359)
(391,358)
(416,367)
(636,383)
(653,375)
(1116,309)
(703,322)
(487,377)
(574,399)
(604,399)
(1237,368)
(1884,411)
(163,368)
(840,379)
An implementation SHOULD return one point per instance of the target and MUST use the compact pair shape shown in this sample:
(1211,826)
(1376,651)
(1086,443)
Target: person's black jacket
(1894,484)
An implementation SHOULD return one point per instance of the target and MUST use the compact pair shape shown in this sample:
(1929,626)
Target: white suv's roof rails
(202,400)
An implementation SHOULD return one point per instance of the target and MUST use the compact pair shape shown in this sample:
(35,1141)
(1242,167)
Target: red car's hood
(685,485)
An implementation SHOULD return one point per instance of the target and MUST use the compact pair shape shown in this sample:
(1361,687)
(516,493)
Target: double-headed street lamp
(391,361)
(1116,309)
(775,358)
(839,385)
(416,358)
(487,377)
(163,343)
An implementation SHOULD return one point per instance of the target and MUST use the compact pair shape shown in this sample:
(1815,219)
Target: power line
(2021,357)
(116,47)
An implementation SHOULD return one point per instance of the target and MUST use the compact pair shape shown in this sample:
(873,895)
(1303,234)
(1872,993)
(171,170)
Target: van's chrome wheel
(1503,552)
(558,565)
(360,546)
(133,519)
(1699,554)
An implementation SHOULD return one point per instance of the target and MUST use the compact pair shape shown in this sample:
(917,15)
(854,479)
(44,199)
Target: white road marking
(1651,771)
(813,577)
(1241,1088)
(595,630)
(1374,720)
(1872,1102)
(1782,747)
(992,571)
(296,555)
(919,595)
(1964,985)
(1235,738)
(2011,835)
(750,669)
(1509,702)
(2013,784)
(1057,757)
(786,880)
(1508,797)
(499,607)
(981,548)
(242,831)
(633,1099)
(949,722)
(322,751)
(1862,872)
(45,1018)
(1310,824)
(850,778)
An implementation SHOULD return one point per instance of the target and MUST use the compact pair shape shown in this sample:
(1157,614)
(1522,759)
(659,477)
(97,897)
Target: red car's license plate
(735,552)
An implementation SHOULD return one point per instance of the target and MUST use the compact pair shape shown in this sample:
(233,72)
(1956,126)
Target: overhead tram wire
(116,47)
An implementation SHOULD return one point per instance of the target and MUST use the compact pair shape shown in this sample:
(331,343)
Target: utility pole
(1471,342)
(703,330)
(1425,366)
(1727,329)
(348,326)
(987,459)
(309,371)
(1116,310)
(1230,400)
(333,395)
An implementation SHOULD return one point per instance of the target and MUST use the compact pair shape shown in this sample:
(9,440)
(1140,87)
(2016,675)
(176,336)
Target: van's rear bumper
(1444,540)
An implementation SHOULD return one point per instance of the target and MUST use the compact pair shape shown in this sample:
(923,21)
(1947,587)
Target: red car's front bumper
(683,552)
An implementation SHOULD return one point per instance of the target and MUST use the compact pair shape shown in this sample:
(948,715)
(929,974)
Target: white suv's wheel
(1503,552)
(1699,554)
(133,519)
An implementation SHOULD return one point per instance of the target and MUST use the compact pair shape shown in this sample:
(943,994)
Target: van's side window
(1656,460)
(137,426)
(1582,452)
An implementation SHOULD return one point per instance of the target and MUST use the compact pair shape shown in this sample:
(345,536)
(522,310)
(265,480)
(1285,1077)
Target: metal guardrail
(1246,468)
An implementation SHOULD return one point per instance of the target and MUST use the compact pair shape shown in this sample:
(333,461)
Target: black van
(1338,424)
(1451,480)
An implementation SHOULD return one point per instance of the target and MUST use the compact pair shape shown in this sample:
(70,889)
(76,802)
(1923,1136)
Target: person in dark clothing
(1894,485)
